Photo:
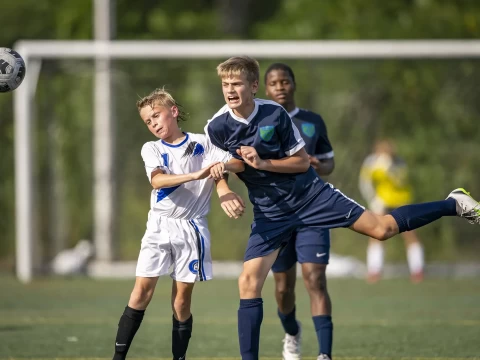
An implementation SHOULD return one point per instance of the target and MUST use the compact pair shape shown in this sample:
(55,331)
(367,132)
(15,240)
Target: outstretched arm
(233,165)
(162,180)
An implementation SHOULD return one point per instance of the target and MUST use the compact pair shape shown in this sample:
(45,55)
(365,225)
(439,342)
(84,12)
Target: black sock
(181,333)
(127,327)
(411,217)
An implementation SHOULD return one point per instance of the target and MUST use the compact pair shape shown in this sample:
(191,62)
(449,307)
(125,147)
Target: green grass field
(77,319)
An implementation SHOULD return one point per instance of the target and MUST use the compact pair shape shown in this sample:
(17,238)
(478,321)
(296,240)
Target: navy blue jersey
(270,131)
(314,132)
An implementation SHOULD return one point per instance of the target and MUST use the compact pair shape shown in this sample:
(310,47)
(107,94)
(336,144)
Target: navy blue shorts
(309,244)
(327,210)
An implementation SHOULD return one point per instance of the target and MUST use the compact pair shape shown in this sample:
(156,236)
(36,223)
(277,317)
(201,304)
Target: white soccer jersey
(192,199)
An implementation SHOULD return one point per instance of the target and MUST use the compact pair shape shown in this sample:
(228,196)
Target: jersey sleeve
(215,135)
(323,147)
(290,137)
(151,159)
(214,153)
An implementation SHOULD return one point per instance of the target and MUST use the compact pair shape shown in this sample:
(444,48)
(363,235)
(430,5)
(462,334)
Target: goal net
(80,175)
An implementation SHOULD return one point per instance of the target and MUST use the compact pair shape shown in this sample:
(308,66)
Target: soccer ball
(12,69)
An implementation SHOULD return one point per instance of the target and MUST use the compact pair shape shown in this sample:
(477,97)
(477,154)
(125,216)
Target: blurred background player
(178,166)
(384,185)
(311,247)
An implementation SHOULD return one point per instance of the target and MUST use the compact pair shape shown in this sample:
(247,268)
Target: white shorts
(185,244)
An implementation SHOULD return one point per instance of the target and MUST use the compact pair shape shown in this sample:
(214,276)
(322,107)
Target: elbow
(235,166)
(156,184)
(330,168)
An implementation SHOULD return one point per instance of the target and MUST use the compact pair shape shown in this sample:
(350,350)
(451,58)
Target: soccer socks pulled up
(324,329)
(127,328)
(411,217)
(181,333)
(415,258)
(289,322)
(250,316)
(375,257)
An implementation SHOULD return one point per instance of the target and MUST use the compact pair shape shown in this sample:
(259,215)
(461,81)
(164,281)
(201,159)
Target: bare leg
(381,227)
(142,292)
(182,321)
(132,316)
(250,312)
(285,289)
(316,284)
(181,299)
(320,305)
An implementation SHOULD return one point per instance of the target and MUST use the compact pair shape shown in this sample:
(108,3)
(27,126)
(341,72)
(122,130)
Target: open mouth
(233,99)
(159,129)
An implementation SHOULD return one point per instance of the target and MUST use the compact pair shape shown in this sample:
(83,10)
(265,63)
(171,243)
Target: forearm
(287,165)
(235,166)
(222,186)
(167,180)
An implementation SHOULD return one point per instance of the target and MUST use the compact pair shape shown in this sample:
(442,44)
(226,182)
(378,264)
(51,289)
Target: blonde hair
(162,97)
(238,65)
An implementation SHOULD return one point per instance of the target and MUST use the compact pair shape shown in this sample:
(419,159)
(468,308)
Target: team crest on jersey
(194,149)
(308,129)
(266,132)
(193,266)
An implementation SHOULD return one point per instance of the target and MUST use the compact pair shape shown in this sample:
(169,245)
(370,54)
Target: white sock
(415,257)
(375,255)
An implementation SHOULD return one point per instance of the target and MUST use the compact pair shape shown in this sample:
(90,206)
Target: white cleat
(323,357)
(467,207)
(291,345)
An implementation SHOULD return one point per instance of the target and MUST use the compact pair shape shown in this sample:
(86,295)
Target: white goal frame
(24,102)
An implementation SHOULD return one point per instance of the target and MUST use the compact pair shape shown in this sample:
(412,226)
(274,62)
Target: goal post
(34,51)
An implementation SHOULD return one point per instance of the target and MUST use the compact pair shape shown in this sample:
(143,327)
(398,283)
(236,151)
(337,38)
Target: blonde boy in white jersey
(178,167)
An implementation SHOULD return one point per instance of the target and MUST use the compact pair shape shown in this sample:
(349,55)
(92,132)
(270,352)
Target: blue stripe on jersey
(165,160)
(164,192)
(176,145)
(201,270)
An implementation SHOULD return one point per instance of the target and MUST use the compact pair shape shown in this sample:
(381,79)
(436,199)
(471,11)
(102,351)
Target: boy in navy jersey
(287,194)
(311,246)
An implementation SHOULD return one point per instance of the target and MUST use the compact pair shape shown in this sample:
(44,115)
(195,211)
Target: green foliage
(429,107)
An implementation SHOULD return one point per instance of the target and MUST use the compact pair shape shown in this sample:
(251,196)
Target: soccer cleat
(323,357)
(291,345)
(467,207)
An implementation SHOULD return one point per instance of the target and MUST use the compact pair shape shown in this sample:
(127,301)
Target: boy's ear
(254,86)
(174,110)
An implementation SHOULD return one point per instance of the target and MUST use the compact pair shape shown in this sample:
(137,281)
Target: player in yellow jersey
(384,185)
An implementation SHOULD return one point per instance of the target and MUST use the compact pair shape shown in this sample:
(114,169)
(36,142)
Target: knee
(316,281)
(181,305)
(248,285)
(381,233)
(384,231)
(141,297)
(284,289)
